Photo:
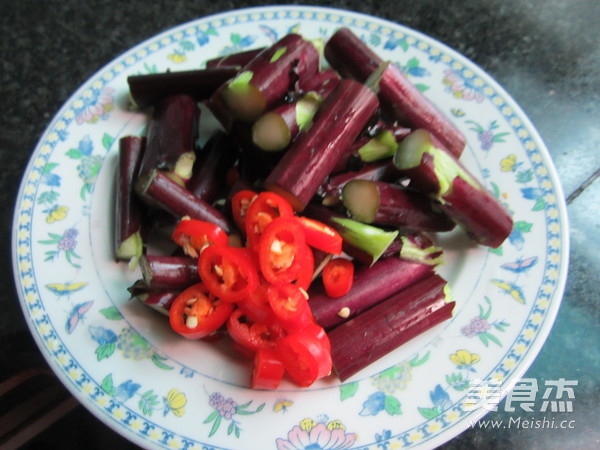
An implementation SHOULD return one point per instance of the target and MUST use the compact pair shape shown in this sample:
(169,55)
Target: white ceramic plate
(123,363)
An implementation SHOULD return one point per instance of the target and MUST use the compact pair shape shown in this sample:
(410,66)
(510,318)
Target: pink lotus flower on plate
(95,106)
(316,436)
(462,88)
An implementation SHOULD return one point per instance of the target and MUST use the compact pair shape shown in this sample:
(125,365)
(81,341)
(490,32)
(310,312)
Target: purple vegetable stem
(347,53)
(374,333)
(370,286)
(160,190)
(169,272)
(210,169)
(148,90)
(234,60)
(172,135)
(337,123)
(128,208)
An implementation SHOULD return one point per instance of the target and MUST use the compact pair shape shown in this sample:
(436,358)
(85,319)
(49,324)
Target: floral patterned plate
(124,364)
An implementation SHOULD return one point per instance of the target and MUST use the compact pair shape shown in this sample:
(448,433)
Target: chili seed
(191,322)
(276,246)
(344,313)
(218,270)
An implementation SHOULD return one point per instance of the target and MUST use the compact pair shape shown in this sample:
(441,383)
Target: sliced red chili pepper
(319,332)
(253,335)
(305,357)
(240,202)
(289,303)
(228,272)
(307,270)
(268,370)
(338,275)
(196,314)
(194,235)
(265,207)
(257,307)
(321,236)
(279,248)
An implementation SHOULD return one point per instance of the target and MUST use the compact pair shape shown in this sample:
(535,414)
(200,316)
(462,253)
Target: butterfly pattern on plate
(66,289)
(77,315)
(520,265)
(56,213)
(511,289)
(282,405)
(517,267)
(509,163)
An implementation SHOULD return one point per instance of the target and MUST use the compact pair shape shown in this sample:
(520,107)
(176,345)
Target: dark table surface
(545,53)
